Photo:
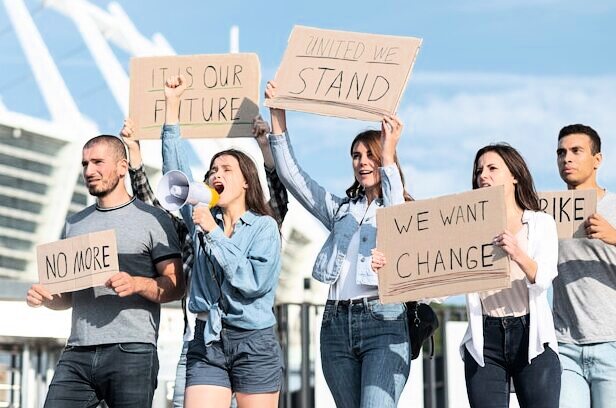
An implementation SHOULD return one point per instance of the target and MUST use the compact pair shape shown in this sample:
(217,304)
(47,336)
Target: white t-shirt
(346,287)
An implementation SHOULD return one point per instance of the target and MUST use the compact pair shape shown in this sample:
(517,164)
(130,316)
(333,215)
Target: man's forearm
(162,289)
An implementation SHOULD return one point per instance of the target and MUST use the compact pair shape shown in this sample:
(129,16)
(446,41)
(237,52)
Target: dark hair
(595,140)
(255,200)
(372,140)
(115,144)
(525,193)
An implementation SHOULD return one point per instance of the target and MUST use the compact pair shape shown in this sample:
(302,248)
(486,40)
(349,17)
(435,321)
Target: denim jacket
(246,265)
(341,216)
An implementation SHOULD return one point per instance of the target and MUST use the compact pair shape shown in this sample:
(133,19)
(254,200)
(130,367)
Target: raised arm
(318,201)
(138,178)
(279,199)
(279,116)
(142,189)
(391,179)
(174,151)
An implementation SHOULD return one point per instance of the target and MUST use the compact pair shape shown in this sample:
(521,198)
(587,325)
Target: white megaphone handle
(197,226)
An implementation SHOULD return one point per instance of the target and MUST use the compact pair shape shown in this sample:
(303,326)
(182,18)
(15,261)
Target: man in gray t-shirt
(585,289)
(111,352)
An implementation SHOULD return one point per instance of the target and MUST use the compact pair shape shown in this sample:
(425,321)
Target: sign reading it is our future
(221,98)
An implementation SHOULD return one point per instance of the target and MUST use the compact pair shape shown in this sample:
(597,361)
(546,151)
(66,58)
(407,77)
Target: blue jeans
(589,375)
(180,379)
(365,352)
(505,353)
(123,375)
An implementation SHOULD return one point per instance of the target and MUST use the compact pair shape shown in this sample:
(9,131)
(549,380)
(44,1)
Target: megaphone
(175,190)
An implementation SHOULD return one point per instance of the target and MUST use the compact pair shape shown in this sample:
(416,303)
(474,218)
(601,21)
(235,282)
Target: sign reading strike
(344,74)
(442,246)
(570,209)
(221,98)
(77,263)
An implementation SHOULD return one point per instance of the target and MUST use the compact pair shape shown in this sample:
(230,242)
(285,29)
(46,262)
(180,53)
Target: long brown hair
(372,140)
(255,199)
(525,193)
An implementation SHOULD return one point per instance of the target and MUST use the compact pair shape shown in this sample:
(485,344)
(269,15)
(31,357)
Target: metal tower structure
(39,167)
(41,184)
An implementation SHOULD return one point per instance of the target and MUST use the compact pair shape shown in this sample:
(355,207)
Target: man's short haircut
(115,143)
(595,140)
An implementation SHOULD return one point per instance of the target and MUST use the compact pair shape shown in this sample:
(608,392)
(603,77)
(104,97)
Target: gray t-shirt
(145,236)
(585,289)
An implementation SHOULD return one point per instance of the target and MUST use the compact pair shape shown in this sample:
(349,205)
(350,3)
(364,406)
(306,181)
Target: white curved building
(40,185)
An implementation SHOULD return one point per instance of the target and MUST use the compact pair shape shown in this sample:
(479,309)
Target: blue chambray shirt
(246,265)
(341,216)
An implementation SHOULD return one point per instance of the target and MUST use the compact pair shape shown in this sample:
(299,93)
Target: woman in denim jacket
(511,333)
(234,278)
(364,344)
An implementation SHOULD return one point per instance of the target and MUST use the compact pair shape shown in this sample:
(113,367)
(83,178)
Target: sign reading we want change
(569,209)
(344,74)
(221,98)
(79,262)
(442,246)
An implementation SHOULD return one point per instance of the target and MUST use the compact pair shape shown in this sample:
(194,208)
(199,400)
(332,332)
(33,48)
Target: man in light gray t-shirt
(145,237)
(111,352)
(585,289)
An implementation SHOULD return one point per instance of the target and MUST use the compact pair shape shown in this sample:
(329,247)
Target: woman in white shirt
(511,332)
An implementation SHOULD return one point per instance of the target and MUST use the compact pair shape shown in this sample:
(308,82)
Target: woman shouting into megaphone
(234,278)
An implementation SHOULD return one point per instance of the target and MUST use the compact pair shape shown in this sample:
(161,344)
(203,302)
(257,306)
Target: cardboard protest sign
(221,99)
(569,209)
(443,246)
(345,74)
(77,263)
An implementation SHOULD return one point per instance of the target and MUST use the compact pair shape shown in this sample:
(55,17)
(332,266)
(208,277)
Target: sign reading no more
(77,263)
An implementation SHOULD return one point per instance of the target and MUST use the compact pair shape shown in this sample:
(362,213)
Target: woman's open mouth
(218,187)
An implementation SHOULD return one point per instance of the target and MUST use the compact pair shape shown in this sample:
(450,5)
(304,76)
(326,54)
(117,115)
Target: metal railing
(296,329)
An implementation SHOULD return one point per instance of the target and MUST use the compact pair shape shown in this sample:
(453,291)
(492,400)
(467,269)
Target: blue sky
(488,71)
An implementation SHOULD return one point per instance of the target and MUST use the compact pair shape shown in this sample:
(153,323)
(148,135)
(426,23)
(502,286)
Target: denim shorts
(247,361)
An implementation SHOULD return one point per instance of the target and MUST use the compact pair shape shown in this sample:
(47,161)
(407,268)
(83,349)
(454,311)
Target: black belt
(507,320)
(351,302)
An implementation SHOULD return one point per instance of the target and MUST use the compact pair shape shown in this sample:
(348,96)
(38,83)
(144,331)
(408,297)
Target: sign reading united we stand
(344,74)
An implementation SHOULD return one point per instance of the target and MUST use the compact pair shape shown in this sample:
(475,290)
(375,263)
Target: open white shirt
(346,286)
(543,249)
